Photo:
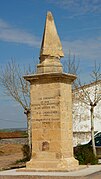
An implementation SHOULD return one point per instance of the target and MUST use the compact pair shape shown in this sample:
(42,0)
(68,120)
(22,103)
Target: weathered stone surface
(51,104)
(51,48)
(51,45)
(51,108)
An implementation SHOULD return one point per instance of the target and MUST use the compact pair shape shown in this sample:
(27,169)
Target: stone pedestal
(51,107)
(51,112)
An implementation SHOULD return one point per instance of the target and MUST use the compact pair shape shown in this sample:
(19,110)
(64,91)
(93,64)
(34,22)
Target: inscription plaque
(46,109)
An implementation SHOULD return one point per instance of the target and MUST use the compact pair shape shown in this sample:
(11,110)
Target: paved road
(92,170)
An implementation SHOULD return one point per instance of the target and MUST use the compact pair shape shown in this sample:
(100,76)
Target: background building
(81,115)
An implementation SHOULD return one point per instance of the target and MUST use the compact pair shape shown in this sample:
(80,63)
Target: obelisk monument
(51,107)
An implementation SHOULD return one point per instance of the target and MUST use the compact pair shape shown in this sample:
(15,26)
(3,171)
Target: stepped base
(66,164)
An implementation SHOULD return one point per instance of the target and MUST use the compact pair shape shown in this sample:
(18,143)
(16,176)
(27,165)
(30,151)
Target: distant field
(12,134)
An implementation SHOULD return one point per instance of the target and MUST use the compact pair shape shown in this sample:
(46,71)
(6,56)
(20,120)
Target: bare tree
(11,78)
(90,95)
(71,65)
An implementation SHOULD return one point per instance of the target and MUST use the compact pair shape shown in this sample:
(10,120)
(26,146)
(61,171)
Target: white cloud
(3,24)
(89,49)
(10,34)
(84,6)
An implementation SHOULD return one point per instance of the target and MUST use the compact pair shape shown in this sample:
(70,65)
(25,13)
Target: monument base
(65,164)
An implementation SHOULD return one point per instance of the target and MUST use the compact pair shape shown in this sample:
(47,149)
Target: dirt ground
(9,154)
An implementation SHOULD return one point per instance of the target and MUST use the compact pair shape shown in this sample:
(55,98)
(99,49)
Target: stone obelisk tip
(49,16)
(51,45)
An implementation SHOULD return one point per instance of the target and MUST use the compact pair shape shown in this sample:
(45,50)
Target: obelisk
(51,107)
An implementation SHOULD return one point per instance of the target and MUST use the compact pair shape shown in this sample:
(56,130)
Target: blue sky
(78,24)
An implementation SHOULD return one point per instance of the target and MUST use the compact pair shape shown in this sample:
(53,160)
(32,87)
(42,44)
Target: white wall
(81,115)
